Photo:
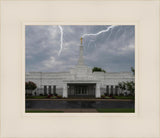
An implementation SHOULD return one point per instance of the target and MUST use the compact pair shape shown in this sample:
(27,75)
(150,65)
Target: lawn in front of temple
(112,110)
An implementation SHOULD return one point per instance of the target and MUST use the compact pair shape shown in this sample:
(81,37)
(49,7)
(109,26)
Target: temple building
(79,81)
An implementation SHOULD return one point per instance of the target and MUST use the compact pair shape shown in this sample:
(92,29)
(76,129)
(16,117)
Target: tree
(98,69)
(133,70)
(30,85)
(130,86)
(122,85)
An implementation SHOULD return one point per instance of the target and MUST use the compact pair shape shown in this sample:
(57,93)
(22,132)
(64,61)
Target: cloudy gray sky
(113,50)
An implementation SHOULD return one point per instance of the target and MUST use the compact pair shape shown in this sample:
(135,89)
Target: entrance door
(81,90)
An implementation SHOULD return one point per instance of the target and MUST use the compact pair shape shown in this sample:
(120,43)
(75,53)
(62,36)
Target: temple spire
(81,60)
(81,40)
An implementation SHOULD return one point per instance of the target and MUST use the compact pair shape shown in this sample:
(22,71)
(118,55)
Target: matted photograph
(80,68)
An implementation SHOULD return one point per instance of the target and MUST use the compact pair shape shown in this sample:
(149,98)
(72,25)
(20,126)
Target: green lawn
(123,97)
(32,111)
(113,110)
(116,110)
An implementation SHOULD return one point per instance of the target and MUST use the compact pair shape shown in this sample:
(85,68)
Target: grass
(38,111)
(116,110)
(112,110)
(123,97)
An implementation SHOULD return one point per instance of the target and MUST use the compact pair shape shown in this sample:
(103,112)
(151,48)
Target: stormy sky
(113,51)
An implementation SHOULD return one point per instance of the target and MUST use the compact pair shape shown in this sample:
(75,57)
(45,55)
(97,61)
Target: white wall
(53,78)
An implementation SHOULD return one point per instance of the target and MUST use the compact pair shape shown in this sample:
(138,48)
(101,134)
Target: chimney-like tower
(81,60)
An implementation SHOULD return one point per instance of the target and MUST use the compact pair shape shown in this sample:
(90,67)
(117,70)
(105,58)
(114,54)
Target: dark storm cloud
(112,50)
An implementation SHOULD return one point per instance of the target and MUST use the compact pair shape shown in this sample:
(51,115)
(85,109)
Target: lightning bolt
(61,39)
(103,31)
(84,35)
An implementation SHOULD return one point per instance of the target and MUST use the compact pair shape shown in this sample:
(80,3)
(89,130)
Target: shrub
(129,94)
(55,94)
(49,96)
(121,94)
(107,97)
(53,97)
(105,94)
(102,96)
(30,85)
(59,96)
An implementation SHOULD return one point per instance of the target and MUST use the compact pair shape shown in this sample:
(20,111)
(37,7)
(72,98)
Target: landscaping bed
(117,97)
(116,110)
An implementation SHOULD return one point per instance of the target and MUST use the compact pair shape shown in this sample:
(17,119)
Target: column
(114,92)
(65,94)
(98,94)
(118,90)
(47,90)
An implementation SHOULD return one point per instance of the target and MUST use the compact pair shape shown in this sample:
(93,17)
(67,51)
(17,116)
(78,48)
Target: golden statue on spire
(81,40)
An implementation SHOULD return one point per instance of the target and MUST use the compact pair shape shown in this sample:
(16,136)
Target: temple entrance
(81,90)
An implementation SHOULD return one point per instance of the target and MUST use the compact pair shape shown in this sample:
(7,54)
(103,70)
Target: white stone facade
(81,74)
